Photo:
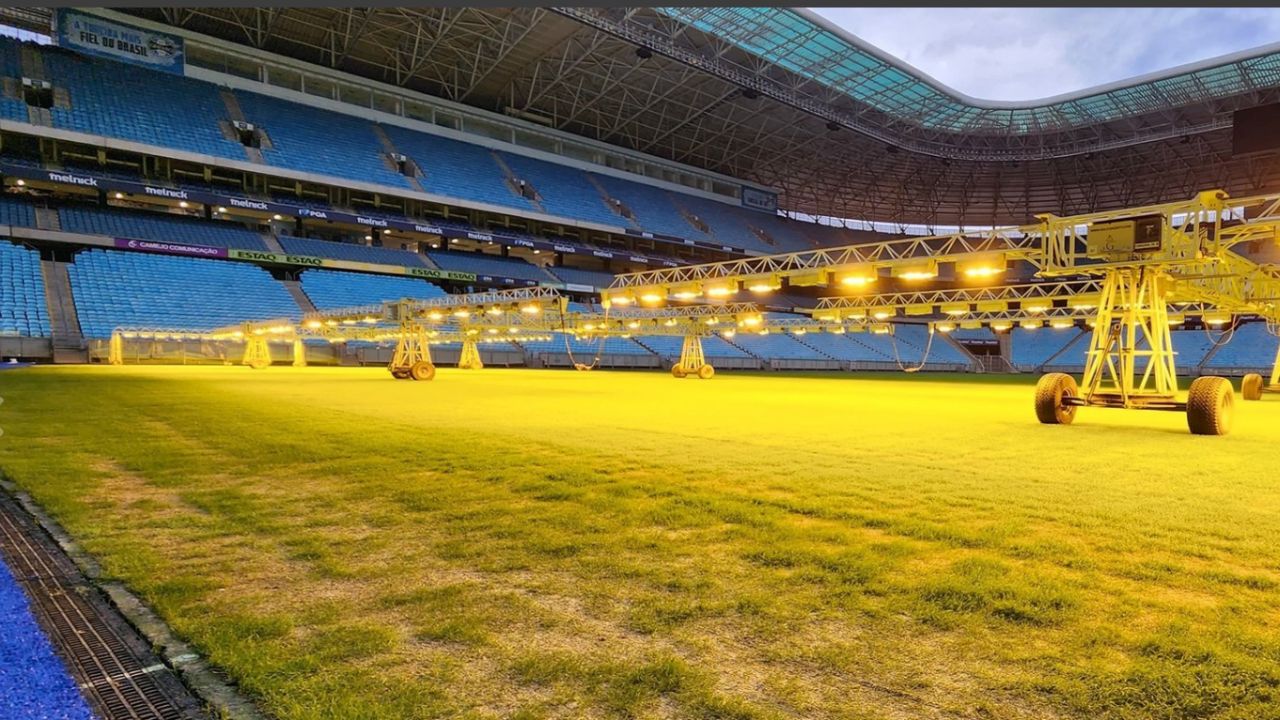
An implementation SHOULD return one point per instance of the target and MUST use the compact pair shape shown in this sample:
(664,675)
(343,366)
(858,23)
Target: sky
(1033,53)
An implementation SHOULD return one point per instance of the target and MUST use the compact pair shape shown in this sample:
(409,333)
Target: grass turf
(528,544)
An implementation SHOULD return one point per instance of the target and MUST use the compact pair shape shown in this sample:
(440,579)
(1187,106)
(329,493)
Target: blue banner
(93,35)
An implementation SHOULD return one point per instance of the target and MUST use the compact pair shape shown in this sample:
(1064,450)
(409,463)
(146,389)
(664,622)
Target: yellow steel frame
(257,352)
(1132,310)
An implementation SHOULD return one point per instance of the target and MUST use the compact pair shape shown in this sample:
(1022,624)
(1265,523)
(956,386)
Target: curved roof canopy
(810,46)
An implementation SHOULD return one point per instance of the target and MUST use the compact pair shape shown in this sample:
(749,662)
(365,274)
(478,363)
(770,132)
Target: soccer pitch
(526,544)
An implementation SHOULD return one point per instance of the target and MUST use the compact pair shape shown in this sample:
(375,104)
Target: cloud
(1033,53)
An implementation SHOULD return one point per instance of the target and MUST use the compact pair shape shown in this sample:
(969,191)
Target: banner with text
(93,35)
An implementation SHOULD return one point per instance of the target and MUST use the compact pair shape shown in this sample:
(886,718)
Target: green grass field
(527,544)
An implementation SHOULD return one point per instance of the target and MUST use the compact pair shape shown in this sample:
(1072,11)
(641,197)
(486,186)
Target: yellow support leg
(257,353)
(470,358)
(299,353)
(115,349)
(692,362)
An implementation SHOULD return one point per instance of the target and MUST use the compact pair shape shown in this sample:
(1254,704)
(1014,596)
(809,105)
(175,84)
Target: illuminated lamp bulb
(184,204)
(277,217)
(944,327)
(751,321)
(119,196)
(1000,326)
(493,331)
(495,310)
(21,182)
(799,331)
(1035,307)
(652,297)
(1061,324)
(371,320)
(462,313)
(633,324)
(221,209)
(670,323)
(763,331)
(720,290)
(713,321)
(530,309)
(313,324)
(435,315)
(513,330)
(882,314)
(729,333)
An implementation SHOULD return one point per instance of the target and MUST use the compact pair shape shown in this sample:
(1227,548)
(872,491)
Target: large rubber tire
(1210,402)
(706,372)
(1050,391)
(400,373)
(422,370)
(1251,387)
(260,364)
(678,370)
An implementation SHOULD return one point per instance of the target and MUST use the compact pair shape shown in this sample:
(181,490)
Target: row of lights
(855,276)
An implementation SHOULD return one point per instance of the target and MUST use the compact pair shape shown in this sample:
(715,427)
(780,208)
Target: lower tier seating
(22,301)
(334,289)
(114,289)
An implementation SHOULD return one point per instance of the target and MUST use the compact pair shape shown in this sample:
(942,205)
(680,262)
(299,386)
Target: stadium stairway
(390,149)
(609,202)
(272,242)
(513,182)
(299,295)
(237,115)
(47,218)
(64,323)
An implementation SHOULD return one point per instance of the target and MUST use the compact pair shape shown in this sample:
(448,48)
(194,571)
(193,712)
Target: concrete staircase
(389,151)
(68,340)
(48,219)
(272,242)
(622,212)
(236,114)
(299,296)
(513,183)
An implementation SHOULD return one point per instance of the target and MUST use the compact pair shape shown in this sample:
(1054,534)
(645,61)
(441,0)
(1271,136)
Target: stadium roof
(782,97)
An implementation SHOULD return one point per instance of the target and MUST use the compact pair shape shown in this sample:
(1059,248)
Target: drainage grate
(117,672)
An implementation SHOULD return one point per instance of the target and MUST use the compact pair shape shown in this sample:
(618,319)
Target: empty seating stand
(22,300)
(116,288)
(335,289)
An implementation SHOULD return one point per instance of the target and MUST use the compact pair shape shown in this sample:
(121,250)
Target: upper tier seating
(319,141)
(335,289)
(594,278)
(457,169)
(11,66)
(492,265)
(114,289)
(652,207)
(17,212)
(137,104)
(145,225)
(343,145)
(350,251)
(22,302)
(564,190)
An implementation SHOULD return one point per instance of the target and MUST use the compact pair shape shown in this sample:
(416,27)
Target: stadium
(626,362)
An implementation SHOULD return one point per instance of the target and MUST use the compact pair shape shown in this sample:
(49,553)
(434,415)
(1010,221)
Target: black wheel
(1050,392)
(1209,404)
(678,370)
(400,373)
(706,372)
(422,370)
(259,364)
(1251,387)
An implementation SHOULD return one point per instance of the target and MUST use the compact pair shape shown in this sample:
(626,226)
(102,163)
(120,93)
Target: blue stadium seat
(22,301)
(335,289)
(138,104)
(594,278)
(1251,347)
(144,225)
(457,169)
(17,212)
(564,190)
(114,289)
